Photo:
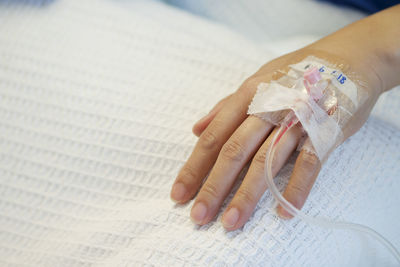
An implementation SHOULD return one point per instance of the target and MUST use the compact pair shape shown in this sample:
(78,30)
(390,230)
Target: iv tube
(319,221)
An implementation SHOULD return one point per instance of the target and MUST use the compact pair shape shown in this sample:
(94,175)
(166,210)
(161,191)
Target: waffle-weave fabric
(97,100)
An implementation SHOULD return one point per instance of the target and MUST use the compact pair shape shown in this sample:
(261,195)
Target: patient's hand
(229,138)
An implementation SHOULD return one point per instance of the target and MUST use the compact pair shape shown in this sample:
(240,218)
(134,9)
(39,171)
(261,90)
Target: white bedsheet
(97,100)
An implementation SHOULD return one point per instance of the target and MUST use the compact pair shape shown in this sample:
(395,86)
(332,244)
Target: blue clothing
(369,6)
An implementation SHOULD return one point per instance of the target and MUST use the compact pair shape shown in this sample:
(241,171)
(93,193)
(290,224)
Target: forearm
(371,46)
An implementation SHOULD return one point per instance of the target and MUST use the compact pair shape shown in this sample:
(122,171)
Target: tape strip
(318,117)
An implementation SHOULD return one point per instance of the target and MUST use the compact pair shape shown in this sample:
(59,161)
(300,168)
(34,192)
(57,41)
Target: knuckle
(210,190)
(208,140)
(249,86)
(187,175)
(298,189)
(309,161)
(246,197)
(233,150)
(298,194)
(259,160)
(247,89)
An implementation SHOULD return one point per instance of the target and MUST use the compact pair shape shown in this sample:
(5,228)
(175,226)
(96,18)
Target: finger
(235,153)
(254,185)
(304,174)
(208,146)
(202,124)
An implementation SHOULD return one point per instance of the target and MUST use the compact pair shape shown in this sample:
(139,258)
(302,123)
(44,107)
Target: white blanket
(97,100)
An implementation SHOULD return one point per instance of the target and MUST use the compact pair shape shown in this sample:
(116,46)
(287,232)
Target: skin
(229,138)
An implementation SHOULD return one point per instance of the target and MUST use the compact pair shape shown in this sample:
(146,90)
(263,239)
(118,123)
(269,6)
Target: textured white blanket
(97,100)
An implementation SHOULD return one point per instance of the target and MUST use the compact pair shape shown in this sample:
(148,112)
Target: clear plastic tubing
(322,222)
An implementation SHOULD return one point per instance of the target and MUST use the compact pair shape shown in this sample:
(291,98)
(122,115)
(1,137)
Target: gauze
(323,102)
(323,99)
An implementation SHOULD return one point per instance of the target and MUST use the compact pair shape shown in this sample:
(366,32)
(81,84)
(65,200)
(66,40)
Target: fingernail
(230,218)
(283,213)
(198,212)
(178,192)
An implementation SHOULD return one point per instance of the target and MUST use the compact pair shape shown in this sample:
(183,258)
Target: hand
(229,139)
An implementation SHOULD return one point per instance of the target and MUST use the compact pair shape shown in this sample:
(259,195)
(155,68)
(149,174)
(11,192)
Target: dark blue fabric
(369,6)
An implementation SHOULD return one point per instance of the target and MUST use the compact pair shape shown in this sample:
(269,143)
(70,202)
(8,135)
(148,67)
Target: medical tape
(322,112)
